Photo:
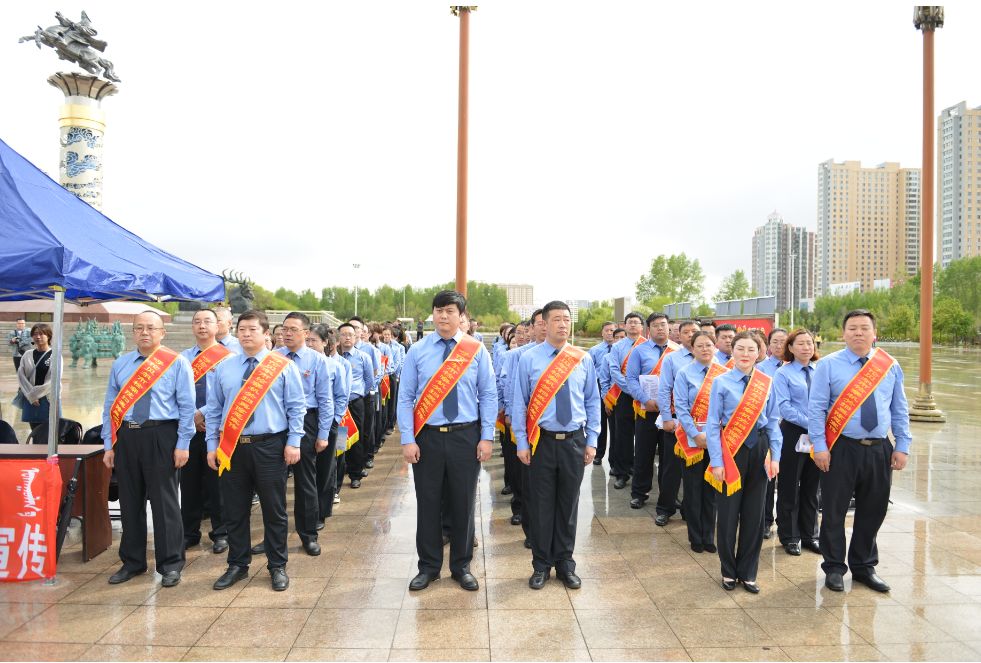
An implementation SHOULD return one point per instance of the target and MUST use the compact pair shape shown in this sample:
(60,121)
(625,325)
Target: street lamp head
(928,18)
(457,9)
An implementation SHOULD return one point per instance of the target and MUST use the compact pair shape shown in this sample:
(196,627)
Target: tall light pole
(356,265)
(463,12)
(924,408)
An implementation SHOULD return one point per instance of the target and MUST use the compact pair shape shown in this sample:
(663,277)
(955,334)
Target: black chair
(69,432)
(7,434)
(94,436)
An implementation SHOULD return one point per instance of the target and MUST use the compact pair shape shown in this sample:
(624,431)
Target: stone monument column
(82,125)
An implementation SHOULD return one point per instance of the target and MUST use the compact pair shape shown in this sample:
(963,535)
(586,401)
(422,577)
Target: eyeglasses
(292,330)
(139,329)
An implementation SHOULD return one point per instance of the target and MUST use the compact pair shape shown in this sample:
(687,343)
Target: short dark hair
(607,324)
(19,319)
(356,317)
(619,330)
(775,330)
(209,310)
(788,355)
(751,334)
(655,316)
(555,305)
(858,313)
(321,331)
(253,314)
(44,329)
(688,323)
(345,324)
(534,315)
(706,323)
(445,298)
(699,334)
(633,314)
(302,317)
(725,327)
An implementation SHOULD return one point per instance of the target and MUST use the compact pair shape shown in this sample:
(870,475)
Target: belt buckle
(245,439)
(561,436)
(132,424)
(444,429)
(866,442)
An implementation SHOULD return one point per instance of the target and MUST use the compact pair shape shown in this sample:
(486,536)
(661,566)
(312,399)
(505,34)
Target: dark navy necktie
(293,356)
(141,410)
(200,389)
(754,434)
(451,407)
(251,363)
(745,382)
(807,377)
(870,412)
(563,402)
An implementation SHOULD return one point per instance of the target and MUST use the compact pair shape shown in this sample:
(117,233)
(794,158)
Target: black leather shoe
(728,584)
(311,548)
(231,576)
(661,519)
(620,483)
(355,483)
(697,547)
(123,575)
(811,545)
(507,490)
(474,540)
(834,582)
(259,549)
(710,548)
(364,473)
(280,581)
(571,580)
(527,544)
(597,461)
(516,519)
(871,580)
(171,579)
(191,544)
(467,581)
(767,532)
(421,581)
(370,463)
(750,586)
(792,548)
(636,503)
(320,525)
(537,579)
(219,546)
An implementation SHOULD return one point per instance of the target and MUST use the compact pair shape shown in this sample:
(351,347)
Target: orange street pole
(924,408)
(461,147)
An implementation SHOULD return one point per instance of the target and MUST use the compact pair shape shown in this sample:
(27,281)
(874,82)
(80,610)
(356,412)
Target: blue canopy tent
(55,246)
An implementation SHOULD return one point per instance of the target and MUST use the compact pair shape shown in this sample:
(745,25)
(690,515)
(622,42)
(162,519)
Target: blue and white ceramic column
(82,125)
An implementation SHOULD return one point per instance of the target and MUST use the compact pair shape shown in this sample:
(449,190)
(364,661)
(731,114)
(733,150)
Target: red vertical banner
(30,496)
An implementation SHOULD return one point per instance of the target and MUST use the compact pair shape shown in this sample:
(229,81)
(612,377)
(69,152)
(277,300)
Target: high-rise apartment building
(519,294)
(959,183)
(783,262)
(868,222)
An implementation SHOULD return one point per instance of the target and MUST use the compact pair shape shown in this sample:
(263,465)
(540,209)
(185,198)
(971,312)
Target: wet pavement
(645,595)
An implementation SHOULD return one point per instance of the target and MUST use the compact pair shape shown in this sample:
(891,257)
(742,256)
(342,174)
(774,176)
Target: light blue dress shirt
(376,371)
(385,351)
(207,381)
(790,388)
(598,354)
(830,377)
(673,364)
(727,390)
(340,384)
(317,388)
(171,397)
(231,343)
(583,392)
(510,368)
(722,357)
(615,361)
(770,365)
(361,371)
(476,391)
(641,362)
(686,385)
(281,409)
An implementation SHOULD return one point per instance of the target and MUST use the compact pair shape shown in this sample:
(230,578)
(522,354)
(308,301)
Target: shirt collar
(259,355)
(456,337)
(852,357)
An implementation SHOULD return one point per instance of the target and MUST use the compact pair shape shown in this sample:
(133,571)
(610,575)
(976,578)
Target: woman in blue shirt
(742,511)
(797,503)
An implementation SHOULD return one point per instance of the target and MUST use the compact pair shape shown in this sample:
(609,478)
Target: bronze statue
(75,42)
(241,298)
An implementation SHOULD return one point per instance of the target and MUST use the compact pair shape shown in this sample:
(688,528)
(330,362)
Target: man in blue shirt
(568,427)
(622,443)
(724,334)
(372,400)
(152,445)
(598,354)
(362,378)
(862,459)
(775,342)
(456,434)
(319,398)
(224,330)
(269,441)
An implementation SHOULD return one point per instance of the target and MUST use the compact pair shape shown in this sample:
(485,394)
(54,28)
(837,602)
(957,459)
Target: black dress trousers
(327,474)
(446,461)
(257,468)
(200,494)
(145,471)
(741,514)
(306,503)
(700,504)
(622,444)
(798,481)
(356,455)
(554,478)
(604,431)
(647,438)
(669,469)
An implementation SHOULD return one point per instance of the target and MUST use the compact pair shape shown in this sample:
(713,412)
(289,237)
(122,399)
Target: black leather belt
(560,435)
(262,437)
(149,423)
(866,442)
(449,428)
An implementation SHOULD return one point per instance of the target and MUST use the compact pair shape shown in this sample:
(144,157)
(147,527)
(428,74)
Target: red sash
(444,379)
(245,403)
(548,385)
(739,428)
(139,383)
(386,383)
(613,395)
(208,359)
(347,421)
(699,411)
(731,363)
(863,385)
(671,347)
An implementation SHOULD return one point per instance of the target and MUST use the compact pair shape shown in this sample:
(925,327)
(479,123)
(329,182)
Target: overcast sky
(291,140)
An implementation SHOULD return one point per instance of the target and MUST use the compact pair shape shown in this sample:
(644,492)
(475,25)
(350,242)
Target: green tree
(961,280)
(951,322)
(675,277)
(901,324)
(734,286)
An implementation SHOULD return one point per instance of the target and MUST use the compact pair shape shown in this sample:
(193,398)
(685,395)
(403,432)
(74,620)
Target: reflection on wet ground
(645,595)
